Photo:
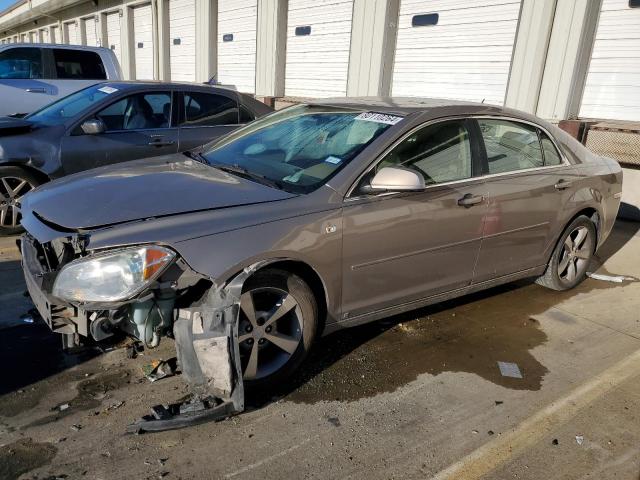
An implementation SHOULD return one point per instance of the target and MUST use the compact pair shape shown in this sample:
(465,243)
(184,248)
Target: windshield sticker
(108,90)
(379,118)
(333,160)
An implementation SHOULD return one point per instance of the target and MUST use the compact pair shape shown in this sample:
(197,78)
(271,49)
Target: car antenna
(211,81)
(482,100)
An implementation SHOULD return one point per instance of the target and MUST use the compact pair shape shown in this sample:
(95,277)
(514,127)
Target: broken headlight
(113,276)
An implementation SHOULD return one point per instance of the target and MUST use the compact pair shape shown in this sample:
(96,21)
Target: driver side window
(138,112)
(440,153)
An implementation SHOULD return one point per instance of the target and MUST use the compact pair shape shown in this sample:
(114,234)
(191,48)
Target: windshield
(69,106)
(300,148)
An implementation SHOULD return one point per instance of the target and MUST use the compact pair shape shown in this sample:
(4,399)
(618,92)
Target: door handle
(562,184)
(161,143)
(36,90)
(470,200)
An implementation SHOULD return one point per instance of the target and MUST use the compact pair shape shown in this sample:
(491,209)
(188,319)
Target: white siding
(143,42)
(237,58)
(91,31)
(612,89)
(182,40)
(73,33)
(465,56)
(317,64)
(55,34)
(113,34)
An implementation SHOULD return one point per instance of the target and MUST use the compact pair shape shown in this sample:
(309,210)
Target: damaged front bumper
(203,321)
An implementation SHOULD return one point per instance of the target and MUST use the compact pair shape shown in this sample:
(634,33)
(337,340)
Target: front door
(400,248)
(528,183)
(137,126)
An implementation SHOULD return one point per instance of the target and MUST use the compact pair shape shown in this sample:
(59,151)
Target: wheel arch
(590,212)
(39,174)
(304,271)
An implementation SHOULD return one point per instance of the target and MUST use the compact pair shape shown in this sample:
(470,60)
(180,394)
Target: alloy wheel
(11,191)
(575,255)
(269,331)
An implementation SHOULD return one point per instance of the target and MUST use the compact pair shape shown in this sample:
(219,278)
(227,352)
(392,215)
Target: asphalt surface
(416,396)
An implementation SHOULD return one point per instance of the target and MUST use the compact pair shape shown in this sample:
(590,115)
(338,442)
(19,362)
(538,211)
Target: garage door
(143,42)
(113,34)
(73,33)
(318,41)
(459,49)
(91,31)
(612,89)
(237,20)
(55,34)
(44,35)
(33,37)
(182,40)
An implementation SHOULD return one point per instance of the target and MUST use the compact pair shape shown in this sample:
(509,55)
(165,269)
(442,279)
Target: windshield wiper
(244,173)
(198,157)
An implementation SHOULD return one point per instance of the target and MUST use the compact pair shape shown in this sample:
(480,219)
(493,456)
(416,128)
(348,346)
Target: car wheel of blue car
(15,182)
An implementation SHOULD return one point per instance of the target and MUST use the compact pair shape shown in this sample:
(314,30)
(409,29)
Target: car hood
(14,126)
(141,189)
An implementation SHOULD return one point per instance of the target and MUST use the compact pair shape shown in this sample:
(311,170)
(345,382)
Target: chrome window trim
(565,162)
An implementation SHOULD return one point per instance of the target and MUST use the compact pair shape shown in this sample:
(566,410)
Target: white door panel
(466,55)
(143,42)
(113,34)
(318,63)
(612,89)
(73,33)
(182,40)
(91,32)
(237,22)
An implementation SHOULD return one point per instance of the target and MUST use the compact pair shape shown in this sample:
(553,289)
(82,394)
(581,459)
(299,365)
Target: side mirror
(395,179)
(93,126)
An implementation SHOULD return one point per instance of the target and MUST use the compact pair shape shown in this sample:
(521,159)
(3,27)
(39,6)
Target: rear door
(529,184)
(206,116)
(23,84)
(138,126)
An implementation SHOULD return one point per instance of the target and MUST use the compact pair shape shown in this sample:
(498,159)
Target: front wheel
(571,257)
(14,183)
(277,325)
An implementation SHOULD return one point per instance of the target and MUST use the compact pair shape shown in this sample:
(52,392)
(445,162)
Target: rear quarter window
(78,65)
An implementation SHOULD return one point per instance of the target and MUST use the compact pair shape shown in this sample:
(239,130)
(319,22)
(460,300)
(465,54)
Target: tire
(12,189)
(569,262)
(264,291)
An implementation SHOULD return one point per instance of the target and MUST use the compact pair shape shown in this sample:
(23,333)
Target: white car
(33,75)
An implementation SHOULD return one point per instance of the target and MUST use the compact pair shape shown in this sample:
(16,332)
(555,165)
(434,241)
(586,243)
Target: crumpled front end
(178,302)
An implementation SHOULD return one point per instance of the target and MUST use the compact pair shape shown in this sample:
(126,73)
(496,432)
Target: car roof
(88,48)
(131,84)
(428,107)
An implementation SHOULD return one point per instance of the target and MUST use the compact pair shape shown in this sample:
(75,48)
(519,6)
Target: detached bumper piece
(208,354)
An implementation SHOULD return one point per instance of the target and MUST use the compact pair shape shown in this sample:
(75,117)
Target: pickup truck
(35,74)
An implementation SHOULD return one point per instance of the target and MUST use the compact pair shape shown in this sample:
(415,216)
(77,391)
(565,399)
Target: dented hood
(142,189)
(14,126)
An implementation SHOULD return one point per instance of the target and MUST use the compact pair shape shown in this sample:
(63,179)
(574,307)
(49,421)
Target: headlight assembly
(112,276)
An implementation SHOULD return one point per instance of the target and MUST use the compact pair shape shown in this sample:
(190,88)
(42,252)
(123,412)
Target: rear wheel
(277,325)
(571,257)
(15,182)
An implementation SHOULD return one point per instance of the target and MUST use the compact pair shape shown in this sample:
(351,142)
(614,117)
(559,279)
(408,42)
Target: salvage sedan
(108,123)
(314,218)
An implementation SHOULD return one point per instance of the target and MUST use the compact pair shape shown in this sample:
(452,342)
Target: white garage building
(560,59)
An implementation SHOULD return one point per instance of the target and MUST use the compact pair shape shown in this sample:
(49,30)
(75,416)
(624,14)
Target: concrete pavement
(417,396)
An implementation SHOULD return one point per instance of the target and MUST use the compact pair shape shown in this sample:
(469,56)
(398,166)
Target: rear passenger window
(78,65)
(21,63)
(207,109)
(551,155)
(439,152)
(510,146)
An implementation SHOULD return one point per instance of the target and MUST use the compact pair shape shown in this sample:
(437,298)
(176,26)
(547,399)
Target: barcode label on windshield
(379,118)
